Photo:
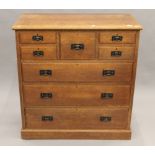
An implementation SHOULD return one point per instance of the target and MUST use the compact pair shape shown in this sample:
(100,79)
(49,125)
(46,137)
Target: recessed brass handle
(45,72)
(77,46)
(46,95)
(108,72)
(116,53)
(47,118)
(105,118)
(117,38)
(38,53)
(106,95)
(37,38)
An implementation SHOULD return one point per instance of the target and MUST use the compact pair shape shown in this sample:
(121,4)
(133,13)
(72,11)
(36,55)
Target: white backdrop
(143,125)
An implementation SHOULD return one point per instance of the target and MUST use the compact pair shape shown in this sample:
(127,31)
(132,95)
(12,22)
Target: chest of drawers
(76,75)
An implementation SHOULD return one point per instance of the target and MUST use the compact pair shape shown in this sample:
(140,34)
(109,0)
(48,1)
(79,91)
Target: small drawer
(76,118)
(37,37)
(77,45)
(38,52)
(117,37)
(116,53)
(78,72)
(76,95)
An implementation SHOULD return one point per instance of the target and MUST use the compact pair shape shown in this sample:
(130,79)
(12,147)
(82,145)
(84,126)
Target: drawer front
(38,52)
(37,37)
(76,118)
(116,53)
(117,37)
(76,94)
(77,45)
(82,72)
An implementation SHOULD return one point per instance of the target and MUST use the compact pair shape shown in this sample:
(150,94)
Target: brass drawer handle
(38,53)
(37,38)
(47,118)
(116,53)
(117,38)
(46,95)
(106,95)
(108,72)
(45,72)
(77,46)
(105,118)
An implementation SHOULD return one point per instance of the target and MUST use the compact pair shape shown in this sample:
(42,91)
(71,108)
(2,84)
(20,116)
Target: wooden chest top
(76,21)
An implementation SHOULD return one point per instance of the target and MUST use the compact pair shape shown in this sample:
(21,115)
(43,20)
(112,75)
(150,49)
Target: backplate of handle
(77,46)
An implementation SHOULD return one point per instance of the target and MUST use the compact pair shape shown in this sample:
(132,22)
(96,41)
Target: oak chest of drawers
(76,75)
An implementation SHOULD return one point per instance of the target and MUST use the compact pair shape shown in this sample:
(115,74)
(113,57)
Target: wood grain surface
(76,21)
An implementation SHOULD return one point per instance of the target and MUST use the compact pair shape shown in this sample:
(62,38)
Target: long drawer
(76,95)
(82,72)
(76,118)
